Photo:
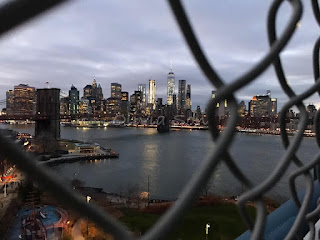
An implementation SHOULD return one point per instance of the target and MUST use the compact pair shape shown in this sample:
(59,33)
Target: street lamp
(207,230)
(5,189)
(148,190)
(88,200)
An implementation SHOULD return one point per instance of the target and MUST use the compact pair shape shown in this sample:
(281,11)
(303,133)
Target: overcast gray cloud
(130,41)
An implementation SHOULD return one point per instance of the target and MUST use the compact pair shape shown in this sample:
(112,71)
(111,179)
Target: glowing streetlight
(88,200)
(298,25)
(207,230)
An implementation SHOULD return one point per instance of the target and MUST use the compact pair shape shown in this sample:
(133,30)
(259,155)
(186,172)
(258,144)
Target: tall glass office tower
(152,93)
(142,89)
(182,96)
(170,87)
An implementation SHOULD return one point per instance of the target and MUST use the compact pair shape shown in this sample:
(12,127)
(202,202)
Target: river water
(171,159)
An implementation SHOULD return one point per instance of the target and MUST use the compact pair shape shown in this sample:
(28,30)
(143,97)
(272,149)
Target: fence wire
(14,13)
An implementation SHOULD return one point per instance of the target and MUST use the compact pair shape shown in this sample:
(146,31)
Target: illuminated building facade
(274,106)
(170,87)
(188,97)
(87,91)
(125,104)
(222,109)
(242,109)
(263,105)
(65,106)
(136,98)
(152,93)
(116,90)
(24,100)
(73,100)
(182,97)
(124,96)
(142,89)
(84,107)
(113,107)
(96,91)
(135,104)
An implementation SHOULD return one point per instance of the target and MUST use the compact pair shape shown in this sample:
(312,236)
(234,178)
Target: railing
(14,13)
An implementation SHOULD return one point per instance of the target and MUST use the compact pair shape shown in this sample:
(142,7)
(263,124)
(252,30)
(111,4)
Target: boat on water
(115,124)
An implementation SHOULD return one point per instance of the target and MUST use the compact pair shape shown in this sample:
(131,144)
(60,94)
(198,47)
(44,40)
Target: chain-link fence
(13,13)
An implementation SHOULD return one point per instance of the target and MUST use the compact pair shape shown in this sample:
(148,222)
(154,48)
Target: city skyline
(133,52)
(117,92)
(101,138)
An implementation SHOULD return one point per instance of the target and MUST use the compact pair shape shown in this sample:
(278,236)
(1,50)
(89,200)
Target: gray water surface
(171,159)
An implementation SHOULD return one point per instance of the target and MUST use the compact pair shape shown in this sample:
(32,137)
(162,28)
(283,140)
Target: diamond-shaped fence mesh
(14,13)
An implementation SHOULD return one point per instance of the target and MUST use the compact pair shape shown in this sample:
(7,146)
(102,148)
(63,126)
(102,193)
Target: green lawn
(224,220)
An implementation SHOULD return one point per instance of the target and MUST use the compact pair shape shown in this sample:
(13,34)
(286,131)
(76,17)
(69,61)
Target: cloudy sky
(130,41)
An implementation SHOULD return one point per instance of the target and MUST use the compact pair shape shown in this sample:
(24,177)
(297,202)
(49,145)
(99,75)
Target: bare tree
(208,186)
(132,192)
(46,143)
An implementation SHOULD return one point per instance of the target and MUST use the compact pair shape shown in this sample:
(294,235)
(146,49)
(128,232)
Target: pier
(80,157)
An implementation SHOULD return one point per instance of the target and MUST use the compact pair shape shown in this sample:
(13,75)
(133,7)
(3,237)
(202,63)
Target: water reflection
(150,159)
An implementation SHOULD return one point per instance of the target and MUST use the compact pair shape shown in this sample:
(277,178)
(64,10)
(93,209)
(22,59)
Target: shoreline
(307,133)
(252,131)
(118,199)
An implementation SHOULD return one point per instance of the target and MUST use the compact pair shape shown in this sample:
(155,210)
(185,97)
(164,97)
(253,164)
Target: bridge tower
(48,113)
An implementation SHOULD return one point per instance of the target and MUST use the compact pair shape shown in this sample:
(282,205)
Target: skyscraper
(136,98)
(188,97)
(262,105)
(10,102)
(125,104)
(94,89)
(199,113)
(174,104)
(116,90)
(182,97)
(274,106)
(24,99)
(124,96)
(135,104)
(87,91)
(64,106)
(142,89)
(152,93)
(222,109)
(84,106)
(170,87)
(73,100)
(242,109)
(159,107)
(99,93)
(113,107)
